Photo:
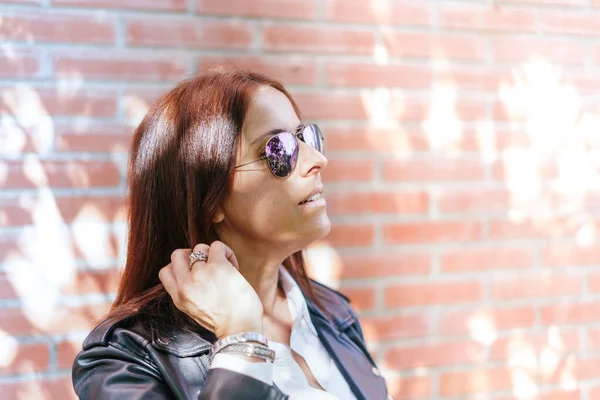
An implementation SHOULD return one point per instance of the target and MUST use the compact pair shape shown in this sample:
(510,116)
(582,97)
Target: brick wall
(463,140)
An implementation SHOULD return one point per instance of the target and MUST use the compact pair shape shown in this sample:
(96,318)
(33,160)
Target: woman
(222,162)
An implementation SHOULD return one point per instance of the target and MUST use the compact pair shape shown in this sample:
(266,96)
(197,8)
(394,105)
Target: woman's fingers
(167,278)
(220,252)
(180,265)
(198,248)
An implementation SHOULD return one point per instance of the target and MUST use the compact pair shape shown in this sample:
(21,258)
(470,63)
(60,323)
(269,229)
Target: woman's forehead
(269,109)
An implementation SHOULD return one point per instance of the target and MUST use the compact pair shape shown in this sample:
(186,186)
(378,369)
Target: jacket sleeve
(116,373)
(111,372)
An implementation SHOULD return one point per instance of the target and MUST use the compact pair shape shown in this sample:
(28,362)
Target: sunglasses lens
(282,154)
(312,137)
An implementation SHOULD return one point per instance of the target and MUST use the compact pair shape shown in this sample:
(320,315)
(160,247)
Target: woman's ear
(218,217)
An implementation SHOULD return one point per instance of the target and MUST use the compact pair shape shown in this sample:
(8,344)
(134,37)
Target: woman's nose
(311,160)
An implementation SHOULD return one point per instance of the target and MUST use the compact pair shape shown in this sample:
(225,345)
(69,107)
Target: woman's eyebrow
(271,133)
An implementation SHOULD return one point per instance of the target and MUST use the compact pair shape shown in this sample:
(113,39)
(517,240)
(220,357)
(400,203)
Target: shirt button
(376,372)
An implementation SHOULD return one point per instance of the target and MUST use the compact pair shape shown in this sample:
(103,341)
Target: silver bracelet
(239,338)
(251,350)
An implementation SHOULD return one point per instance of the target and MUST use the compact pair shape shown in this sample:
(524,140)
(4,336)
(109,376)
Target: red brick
(524,287)
(288,70)
(72,174)
(193,33)
(481,380)
(137,101)
(584,368)
(570,313)
(92,281)
(563,255)
(381,329)
(82,282)
(57,102)
(14,214)
(330,106)
(474,201)
(558,394)
(25,358)
(361,298)
(433,170)
(12,247)
(572,23)
(121,66)
(378,140)
(102,137)
(431,232)
(429,45)
(31,2)
(348,170)
(429,355)
(39,27)
(293,9)
(20,63)
(156,5)
(593,339)
(328,40)
(561,344)
(348,235)
(557,228)
(405,295)
(483,17)
(7,290)
(486,259)
(475,78)
(358,75)
(67,351)
(586,83)
(594,282)
(105,209)
(39,388)
(483,321)
(380,12)
(568,3)
(469,110)
(15,322)
(522,49)
(409,388)
(385,265)
(359,203)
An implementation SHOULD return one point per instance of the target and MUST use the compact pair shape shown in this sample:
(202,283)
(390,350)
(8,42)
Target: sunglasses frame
(299,136)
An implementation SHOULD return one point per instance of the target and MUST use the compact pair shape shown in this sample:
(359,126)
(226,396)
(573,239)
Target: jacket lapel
(362,376)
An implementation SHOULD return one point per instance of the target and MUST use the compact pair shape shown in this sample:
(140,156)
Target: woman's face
(262,207)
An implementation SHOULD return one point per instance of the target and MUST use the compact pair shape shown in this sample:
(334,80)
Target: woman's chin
(319,229)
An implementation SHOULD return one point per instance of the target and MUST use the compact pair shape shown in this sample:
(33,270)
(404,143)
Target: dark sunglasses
(281,150)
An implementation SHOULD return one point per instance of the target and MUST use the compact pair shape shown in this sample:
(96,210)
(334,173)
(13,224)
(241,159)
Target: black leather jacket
(129,363)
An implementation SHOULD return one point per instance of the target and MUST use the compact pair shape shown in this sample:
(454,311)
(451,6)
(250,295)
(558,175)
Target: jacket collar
(362,376)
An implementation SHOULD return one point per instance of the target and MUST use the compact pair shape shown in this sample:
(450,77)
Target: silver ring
(198,256)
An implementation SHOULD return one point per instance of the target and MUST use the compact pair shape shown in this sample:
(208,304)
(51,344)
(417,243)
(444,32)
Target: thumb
(220,252)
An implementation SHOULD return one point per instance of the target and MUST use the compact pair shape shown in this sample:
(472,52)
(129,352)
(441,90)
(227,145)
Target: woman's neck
(259,264)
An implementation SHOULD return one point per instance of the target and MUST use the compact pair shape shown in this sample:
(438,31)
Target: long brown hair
(182,158)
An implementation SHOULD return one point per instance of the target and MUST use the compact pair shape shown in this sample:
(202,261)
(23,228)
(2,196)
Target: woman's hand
(213,292)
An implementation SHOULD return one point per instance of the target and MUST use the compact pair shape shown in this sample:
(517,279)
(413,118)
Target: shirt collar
(295,299)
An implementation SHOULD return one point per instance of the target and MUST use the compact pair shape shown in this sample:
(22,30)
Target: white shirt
(285,371)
